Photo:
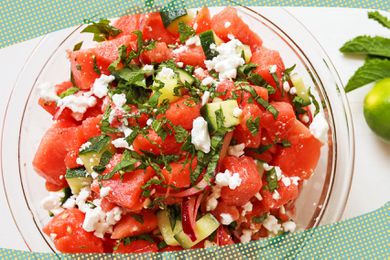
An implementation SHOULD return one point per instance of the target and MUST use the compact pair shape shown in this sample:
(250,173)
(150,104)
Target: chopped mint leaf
(146,191)
(185,31)
(96,67)
(67,193)
(122,52)
(181,134)
(272,180)
(127,163)
(75,173)
(69,91)
(138,218)
(253,125)
(98,143)
(259,219)
(315,103)
(104,160)
(379,18)
(77,46)
(378,46)
(101,30)
(286,143)
(162,244)
(372,70)
(261,101)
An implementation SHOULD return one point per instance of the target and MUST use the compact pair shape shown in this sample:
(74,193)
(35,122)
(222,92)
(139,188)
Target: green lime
(377,109)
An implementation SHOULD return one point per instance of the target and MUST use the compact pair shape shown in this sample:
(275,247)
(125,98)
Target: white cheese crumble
(77,103)
(200,137)
(208,81)
(272,69)
(286,181)
(289,226)
(180,49)
(237,112)
(100,86)
(286,86)
(227,24)
(119,99)
(227,178)
(199,72)
(248,207)
(85,145)
(104,191)
(295,180)
(195,26)
(267,167)
(205,97)
(149,69)
(226,219)
(52,202)
(70,202)
(319,128)
(258,196)
(165,73)
(79,161)
(195,40)
(271,224)
(246,236)
(48,92)
(227,61)
(293,91)
(305,119)
(212,200)
(276,195)
(125,130)
(120,143)
(236,150)
(180,64)
(149,122)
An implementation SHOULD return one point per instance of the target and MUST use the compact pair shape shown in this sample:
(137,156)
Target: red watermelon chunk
(159,54)
(202,20)
(153,28)
(193,56)
(128,24)
(228,22)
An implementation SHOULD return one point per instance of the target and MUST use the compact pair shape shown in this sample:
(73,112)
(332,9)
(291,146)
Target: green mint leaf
(126,164)
(272,180)
(96,67)
(261,149)
(185,31)
(69,91)
(101,30)
(315,103)
(138,218)
(261,101)
(80,172)
(378,46)
(286,143)
(253,125)
(146,191)
(98,143)
(245,70)
(257,79)
(105,124)
(379,18)
(67,193)
(372,70)
(259,219)
(162,244)
(181,134)
(77,46)
(122,52)
(104,160)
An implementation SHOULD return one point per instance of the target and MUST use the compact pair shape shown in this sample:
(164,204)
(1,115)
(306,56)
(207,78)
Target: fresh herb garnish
(67,193)
(77,46)
(97,144)
(101,30)
(162,244)
(185,31)
(127,163)
(96,67)
(153,181)
(253,125)
(137,217)
(315,103)
(259,219)
(272,180)
(377,46)
(379,18)
(76,172)
(104,160)
(286,143)
(261,101)
(69,91)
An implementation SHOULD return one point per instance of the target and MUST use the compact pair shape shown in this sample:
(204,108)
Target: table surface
(332,27)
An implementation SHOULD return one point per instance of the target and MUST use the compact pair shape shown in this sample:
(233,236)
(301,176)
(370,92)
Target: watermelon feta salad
(177,130)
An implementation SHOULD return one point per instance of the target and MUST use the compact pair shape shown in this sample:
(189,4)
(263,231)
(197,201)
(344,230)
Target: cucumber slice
(168,90)
(299,85)
(246,52)
(164,224)
(77,179)
(204,227)
(92,159)
(169,16)
(184,76)
(227,107)
(206,40)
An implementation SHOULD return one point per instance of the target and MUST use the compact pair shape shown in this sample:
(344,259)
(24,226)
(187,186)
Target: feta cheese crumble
(180,49)
(208,81)
(271,224)
(289,226)
(212,200)
(149,69)
(286,86)
(226,219)
(48,92)
(276,195)
(227,61)
(205,98)
(237,112)
(149,122)
(319,128)
(228,179)
(77,103)
(200,137)
(85,146)
(194,40)
(100,86)
(246,236)
(227,24)
(52,202)
(119,100)
(272,69)
(79,161)
(236,150)
(293,91)
(121,143)
(248,207)
(104,191)
(165,73)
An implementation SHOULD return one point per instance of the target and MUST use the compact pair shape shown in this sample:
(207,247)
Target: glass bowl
(323,197)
